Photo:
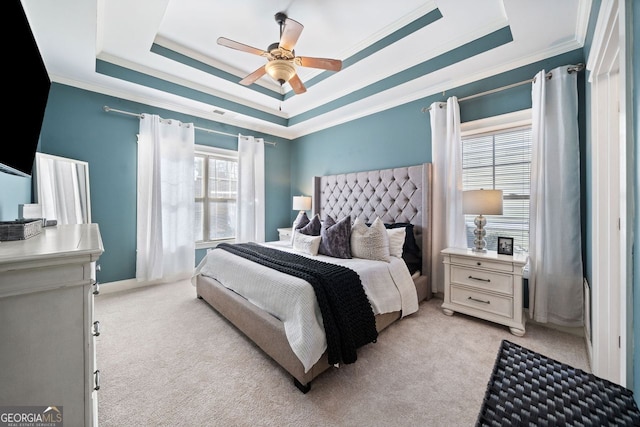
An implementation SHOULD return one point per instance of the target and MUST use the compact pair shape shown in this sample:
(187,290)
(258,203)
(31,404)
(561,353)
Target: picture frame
(505,245)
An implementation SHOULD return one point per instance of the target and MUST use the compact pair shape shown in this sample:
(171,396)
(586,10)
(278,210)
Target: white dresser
(485,285)
(47,329)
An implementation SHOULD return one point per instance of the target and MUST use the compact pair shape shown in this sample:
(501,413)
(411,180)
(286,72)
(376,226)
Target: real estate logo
(31,416)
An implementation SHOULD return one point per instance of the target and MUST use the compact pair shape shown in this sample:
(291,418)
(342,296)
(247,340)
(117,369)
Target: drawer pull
(478,263)
(480,279)
(96,288)
(479,300)
(96,328)
(96,379)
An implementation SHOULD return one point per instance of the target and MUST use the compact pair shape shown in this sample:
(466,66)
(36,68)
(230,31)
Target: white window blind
(500,161)
(216,184)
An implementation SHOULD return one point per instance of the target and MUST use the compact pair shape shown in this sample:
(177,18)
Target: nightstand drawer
(478,262)
(482,279)
(495,304)
(284,233)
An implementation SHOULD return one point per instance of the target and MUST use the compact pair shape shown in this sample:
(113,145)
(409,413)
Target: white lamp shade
(301,203)
(482,202)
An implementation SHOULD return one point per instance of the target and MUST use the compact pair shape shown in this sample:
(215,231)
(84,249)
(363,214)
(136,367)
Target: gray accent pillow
(301,220)
(313,227)
(336,237)
(370,242)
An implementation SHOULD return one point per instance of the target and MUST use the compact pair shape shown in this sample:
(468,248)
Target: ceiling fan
(281,58)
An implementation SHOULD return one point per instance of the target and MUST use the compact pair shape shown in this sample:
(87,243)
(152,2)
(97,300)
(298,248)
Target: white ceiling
(164,52)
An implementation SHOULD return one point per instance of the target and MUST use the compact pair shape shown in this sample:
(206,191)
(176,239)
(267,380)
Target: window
(500,160)
(216,183)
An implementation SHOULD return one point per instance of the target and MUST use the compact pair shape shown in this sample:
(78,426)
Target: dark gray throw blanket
(349,322)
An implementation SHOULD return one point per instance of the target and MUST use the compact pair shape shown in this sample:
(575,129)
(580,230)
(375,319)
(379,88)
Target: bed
(396,196)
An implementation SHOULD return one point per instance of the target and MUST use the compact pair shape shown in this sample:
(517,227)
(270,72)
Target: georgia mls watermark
(31,416)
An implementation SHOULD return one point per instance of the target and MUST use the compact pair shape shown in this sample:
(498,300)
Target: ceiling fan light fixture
(281,57)
(281,70)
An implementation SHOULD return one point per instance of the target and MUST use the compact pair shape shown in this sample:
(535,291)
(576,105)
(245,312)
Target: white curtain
(446,154)
(250,199)
(555,255)
(165,226)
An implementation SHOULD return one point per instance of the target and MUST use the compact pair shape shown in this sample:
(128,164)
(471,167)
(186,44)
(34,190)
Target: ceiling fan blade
(297,85)
(222,41)
(290,34)
(323,63)
(251,78)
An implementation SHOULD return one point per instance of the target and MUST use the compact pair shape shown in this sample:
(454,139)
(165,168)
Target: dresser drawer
(482,263)
(481,279)
(489,303)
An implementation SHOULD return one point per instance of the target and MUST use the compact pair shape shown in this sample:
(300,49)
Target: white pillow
(306,244)
(370,242)
(396,241)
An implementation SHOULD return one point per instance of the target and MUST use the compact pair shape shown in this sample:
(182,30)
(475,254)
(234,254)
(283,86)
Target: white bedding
(388,286)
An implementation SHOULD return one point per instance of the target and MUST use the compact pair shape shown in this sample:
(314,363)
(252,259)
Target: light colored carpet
(167,358)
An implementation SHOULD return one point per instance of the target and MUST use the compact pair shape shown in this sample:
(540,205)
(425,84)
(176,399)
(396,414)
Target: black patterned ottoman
(529,389)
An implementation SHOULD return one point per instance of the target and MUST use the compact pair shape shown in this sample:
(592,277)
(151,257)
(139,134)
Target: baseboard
(589,345)
(587,320)
(125,285)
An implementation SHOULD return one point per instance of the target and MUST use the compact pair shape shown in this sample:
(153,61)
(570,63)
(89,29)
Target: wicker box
(20,229)
(529,389)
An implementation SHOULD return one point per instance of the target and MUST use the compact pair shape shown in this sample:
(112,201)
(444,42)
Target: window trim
(206,150)
(497,124)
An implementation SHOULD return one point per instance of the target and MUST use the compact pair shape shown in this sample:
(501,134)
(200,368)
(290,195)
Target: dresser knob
(479,263)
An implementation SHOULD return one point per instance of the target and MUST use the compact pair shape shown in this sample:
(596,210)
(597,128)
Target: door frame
(611,245)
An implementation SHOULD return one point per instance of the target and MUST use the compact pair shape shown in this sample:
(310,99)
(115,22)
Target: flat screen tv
(32,82)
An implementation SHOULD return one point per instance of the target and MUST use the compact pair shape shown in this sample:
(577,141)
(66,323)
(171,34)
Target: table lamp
(480,203)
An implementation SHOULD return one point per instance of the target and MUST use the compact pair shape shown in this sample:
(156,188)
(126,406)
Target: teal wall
(588,217)
(401,136)
(77,127)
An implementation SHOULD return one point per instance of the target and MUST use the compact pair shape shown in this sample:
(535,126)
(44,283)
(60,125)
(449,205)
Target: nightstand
(485,285)
(284,233)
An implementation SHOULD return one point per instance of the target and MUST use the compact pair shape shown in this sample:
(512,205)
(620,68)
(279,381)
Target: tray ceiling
(164,52)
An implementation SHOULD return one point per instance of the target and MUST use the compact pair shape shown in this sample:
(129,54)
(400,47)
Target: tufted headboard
(395,195)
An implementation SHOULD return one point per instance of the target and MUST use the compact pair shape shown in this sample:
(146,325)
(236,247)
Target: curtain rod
(570,70)
(109,109)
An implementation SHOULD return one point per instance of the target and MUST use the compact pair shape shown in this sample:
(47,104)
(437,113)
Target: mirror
(62,189)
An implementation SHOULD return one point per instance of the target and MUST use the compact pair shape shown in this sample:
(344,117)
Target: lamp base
(479,233)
